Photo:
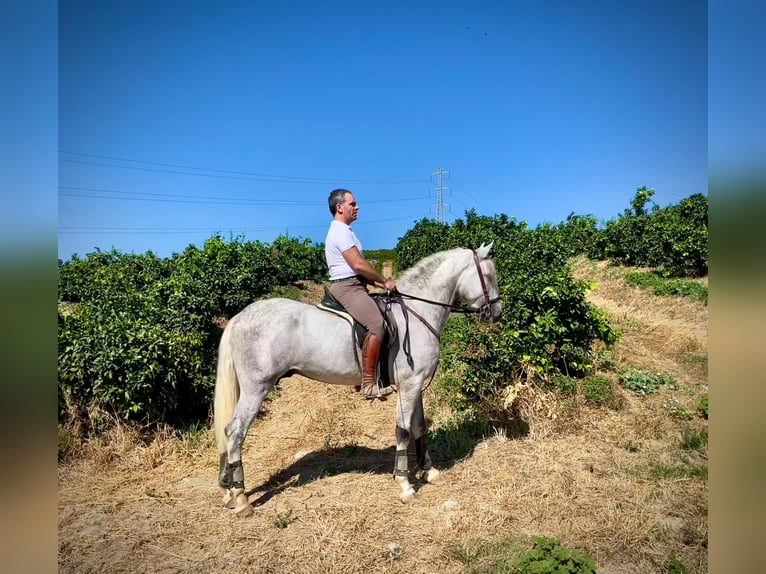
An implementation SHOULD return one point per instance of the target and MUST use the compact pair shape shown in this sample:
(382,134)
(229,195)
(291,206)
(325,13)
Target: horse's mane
(421,273)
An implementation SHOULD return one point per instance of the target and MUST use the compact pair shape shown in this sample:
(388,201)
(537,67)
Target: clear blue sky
(179,120)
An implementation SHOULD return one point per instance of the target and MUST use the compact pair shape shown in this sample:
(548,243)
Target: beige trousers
(353,295)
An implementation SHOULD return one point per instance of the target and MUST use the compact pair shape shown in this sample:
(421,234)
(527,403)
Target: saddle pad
(338,312)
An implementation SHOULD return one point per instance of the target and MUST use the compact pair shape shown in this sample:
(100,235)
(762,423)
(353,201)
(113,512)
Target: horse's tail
(226,390)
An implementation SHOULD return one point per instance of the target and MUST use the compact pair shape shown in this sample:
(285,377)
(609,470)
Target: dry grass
(616,484)
(660,334)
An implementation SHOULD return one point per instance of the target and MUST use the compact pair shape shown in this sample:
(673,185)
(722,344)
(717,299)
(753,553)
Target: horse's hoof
(244,510)
(235,499)
(432,476)
(407,496)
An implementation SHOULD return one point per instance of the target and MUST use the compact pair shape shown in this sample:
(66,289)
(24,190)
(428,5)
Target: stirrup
(374,391)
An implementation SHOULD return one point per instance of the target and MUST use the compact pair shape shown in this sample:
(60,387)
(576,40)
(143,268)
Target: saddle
(358,331)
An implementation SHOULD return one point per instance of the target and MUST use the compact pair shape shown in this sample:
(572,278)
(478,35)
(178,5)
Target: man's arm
(364,268)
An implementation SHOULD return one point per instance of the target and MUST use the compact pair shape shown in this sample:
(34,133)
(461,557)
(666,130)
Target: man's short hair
(337,196)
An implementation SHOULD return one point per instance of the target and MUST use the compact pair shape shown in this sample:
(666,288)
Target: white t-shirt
(339,238)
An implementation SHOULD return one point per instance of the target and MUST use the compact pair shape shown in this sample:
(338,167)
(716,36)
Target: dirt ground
(318,467)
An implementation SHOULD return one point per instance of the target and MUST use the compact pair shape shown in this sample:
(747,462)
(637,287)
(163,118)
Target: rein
(484,310)
(397,296)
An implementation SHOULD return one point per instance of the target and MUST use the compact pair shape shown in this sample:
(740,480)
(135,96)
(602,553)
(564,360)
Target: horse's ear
(483,251)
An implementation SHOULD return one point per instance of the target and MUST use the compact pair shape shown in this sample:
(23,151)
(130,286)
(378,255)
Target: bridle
(484,311)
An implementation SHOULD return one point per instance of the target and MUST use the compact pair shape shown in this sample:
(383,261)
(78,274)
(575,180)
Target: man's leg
(357,301)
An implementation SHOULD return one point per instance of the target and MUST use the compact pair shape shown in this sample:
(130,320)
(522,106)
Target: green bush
(550,557)
(102,274)
(548,327)
(381,255)
(673,239)
(475,358)
(132,363)
(138,334)
(427,236)
(605,360)
(562,384)
(580,235)
(643,383)
(501,556)
(598,390)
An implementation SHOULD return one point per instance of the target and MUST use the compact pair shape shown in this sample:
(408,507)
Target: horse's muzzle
(491,311)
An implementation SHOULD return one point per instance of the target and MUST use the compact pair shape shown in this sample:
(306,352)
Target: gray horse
(275,338)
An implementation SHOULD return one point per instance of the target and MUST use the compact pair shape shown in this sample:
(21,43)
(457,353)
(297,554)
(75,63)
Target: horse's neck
(440,287)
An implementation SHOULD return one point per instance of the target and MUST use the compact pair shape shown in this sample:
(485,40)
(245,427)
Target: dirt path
(319,461)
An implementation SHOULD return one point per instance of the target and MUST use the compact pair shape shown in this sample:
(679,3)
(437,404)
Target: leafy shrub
(643,383)
(599,390)
(504,557)
(427,236)
(550,557)
(563,384)
(580,235)
(605,360)
(137,334)
(672,239)
(475,358)
(548,327)
(381,255)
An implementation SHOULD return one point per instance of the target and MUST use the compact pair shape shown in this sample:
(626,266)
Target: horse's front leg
(419,430)
(401,469)
(406,408)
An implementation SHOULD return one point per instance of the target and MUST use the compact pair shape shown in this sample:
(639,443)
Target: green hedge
(548,326)
(139,334)
(673,240)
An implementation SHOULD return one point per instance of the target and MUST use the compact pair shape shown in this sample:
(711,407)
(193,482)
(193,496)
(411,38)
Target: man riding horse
(350,273)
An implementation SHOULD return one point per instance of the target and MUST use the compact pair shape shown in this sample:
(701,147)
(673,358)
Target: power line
(468,194)
(220,173)
(194,199)
(86,230)
(159,198)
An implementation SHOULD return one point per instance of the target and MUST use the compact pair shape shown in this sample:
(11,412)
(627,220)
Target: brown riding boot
(370,351)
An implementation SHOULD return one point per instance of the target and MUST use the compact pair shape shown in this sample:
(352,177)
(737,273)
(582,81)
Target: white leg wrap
(432,475)
(408,493)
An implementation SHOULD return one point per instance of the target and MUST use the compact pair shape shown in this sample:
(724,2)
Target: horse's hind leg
(233,474)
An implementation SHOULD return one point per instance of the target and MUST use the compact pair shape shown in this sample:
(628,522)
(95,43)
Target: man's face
(349,208)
